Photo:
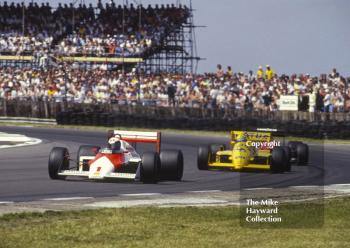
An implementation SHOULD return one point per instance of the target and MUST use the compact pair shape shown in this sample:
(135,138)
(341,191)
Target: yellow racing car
(252,150)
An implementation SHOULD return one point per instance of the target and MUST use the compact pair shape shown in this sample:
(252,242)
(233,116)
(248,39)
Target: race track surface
(24,174)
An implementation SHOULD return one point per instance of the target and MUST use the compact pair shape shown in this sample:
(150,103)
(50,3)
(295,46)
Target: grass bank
(173,227)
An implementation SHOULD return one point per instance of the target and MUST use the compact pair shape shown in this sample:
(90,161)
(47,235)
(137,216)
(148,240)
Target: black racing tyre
(293,144)
(302,154)
(87,150)
(288,153)
(293,147)
(203,158)
(278,160)
(58,161)
(150,165)
(171,165)
(213,149)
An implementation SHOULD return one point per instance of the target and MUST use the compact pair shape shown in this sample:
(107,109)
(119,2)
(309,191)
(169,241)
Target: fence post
(173,112)
(203,110)
(63,105)
(16,107)
(32,108)
(5,106)
(46,110)
(52,109)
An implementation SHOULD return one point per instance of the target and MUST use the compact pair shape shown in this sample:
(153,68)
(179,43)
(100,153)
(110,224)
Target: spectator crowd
(223,89)
(117,45)
(111,30)
(104,30)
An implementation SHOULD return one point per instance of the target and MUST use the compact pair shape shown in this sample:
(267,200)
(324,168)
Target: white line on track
(157,202)
(340,188)
(306,186)
(6,202)
(257,188)
(203,191)
(141,194)
(18,138)
(68,199)
(340,184)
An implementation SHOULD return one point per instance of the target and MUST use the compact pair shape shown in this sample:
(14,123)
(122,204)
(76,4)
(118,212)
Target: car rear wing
(138,137)
(273,131)
(251,135)
(259,134)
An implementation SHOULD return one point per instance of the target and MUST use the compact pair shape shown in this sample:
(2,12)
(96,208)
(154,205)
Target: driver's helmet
(242,137)
(114,143)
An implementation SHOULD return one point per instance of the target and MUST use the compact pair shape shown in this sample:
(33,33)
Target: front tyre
(58,161)
(278,160)
(171,165)
(203,158)
(302,151)
(150,165)
(288,153)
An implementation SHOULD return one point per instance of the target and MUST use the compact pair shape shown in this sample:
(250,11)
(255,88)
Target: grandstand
(137,56)
(155,39)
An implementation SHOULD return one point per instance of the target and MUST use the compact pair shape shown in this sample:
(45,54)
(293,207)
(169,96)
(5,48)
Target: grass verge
(173,227)
(166,130)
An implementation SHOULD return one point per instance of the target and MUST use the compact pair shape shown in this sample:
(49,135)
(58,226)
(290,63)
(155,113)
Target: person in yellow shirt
(134,80)
(229,72)
(260,72)
(269,73)
(51,92)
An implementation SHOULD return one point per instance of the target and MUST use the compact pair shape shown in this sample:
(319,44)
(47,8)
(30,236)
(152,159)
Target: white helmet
(113,140)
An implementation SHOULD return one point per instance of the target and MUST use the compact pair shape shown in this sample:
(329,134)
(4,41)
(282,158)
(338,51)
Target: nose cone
(240,154)
(101,168)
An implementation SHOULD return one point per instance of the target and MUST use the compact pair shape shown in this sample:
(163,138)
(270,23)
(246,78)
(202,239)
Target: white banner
(289,103)
(312,102)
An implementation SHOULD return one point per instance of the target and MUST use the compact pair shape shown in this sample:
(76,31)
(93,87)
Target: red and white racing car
(119,160)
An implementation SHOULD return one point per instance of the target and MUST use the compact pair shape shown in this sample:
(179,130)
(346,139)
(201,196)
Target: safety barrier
(335,125)
(4,119)
(296,127)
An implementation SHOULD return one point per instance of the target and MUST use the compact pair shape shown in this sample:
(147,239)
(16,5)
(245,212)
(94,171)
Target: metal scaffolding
(176,53)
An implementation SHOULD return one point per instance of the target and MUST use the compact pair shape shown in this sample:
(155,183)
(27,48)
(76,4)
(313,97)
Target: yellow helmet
(242,137)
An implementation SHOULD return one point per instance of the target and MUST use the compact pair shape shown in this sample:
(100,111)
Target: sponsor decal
(262,136)
(97,171)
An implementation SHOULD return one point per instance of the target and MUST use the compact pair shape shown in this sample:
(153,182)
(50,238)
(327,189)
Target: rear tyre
(278,160)
(86,151)
(171,165)
(293,148)
(288,153)
(293,144)
(58,161)
(302,154)
(150,167)
(203,158)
